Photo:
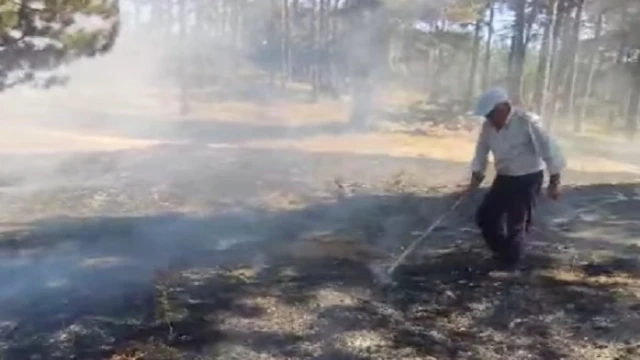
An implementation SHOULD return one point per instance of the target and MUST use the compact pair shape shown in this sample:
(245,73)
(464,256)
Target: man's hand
(474,183)
(553,191)
(476,179)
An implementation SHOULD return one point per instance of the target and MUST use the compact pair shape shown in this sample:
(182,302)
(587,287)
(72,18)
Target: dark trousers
(505,215)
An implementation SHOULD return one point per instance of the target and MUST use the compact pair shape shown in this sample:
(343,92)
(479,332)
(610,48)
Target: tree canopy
(42,35)
(563,58)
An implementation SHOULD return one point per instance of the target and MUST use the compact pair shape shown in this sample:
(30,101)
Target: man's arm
(549,150)
(481,157)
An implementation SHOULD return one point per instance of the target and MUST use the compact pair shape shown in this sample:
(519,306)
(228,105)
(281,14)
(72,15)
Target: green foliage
(43,34)
(464,11)
(8,16)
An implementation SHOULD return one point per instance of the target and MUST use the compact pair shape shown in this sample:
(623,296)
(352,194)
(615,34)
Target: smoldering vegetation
(177,263)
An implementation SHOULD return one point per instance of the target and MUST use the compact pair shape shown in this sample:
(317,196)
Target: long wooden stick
(425,234)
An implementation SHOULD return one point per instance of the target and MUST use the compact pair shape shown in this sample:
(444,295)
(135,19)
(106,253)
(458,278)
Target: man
(521,148)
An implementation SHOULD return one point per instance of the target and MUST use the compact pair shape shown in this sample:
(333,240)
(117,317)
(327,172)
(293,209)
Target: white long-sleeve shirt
(521,147)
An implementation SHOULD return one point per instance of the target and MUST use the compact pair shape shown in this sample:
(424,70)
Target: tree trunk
(135,15)
(271,42)
(428,70)
(184,95)
(362,72)
(162,16)
(285,56)
(593,64)
(240,28)
(294,14)
(322,45)
(528,36)
(200,58)
(332,48)
(314,50)
(436,68)
(217,19)
(471,85)
(556,70)
(361,101)
(619,91)
(632,111)
(235,35)
(574,62)
(510,59)
(229,14)
(565,65)
(518,53)
(486,72)
(156,15)
(544,63)
(531,21)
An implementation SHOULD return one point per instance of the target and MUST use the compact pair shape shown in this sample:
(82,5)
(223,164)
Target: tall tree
(323,43)
(271,40)
(556,69)
(475,54)
(236,32)
(518,50)
(591,68)
(544,60)
(486,73)
(286,43)
(633,108)
(618,92)
(574,60)
(183,74)
(315,72)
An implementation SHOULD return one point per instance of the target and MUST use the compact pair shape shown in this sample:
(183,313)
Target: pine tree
(37,35)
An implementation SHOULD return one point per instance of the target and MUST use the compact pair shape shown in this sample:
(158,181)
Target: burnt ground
(195,252)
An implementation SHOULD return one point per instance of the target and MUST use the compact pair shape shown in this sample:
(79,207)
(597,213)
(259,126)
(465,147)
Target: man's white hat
(489,100)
